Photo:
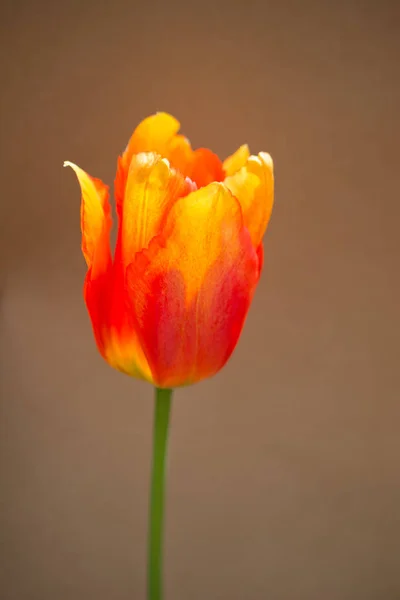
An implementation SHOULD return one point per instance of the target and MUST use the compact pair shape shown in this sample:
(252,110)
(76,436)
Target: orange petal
(236,161)
(113,329)
(253,186)
(180,154)
(95,221)
(151,188)
(190,291)
(206,167)
(96,225)
(153,134)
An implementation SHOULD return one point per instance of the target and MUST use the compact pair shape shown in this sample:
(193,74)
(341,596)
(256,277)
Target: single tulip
(170,305)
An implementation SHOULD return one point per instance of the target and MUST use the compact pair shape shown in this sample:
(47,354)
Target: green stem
(161,422)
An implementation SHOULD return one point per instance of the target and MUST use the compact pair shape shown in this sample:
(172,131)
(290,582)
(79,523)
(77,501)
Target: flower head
(170,304)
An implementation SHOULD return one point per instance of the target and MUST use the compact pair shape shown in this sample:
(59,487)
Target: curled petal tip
(267,159)
(73,166)
(263,159)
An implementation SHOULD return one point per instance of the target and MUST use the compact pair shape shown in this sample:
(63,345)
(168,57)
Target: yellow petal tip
(68,163)
(267,159)
(78,171)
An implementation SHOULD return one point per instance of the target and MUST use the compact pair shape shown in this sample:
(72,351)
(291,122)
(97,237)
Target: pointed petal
(253,186)
(236,161)
(96,225)
(151,188)
(190,291)
(95,221)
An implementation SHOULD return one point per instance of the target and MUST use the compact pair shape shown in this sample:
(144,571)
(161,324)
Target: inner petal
(151,189)
(206,167)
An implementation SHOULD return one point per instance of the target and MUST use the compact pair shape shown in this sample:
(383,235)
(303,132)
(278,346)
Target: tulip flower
(170,305)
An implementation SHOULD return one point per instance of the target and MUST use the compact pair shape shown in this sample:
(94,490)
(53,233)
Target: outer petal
(190,291)
(96,225)
(104,288)
(95,221)
(151,188)
(253,186)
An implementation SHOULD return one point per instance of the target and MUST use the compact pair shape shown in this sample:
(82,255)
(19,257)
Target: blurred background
(283,469)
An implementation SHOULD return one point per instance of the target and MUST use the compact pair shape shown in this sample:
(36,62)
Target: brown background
(284,469)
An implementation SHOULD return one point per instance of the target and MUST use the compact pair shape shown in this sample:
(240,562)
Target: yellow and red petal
(95,225)
(190,291)
(124,353)
(104,288)
(95,221)
(151,189)
(253,186)
(112,322)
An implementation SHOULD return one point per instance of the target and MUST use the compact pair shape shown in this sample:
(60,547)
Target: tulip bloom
(170,305)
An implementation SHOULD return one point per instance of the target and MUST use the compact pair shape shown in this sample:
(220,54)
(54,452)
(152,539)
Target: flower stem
(161,423)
